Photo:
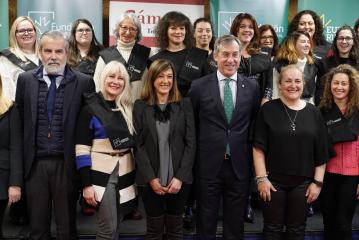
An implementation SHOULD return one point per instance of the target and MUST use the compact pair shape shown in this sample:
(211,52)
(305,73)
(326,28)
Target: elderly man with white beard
(49,99)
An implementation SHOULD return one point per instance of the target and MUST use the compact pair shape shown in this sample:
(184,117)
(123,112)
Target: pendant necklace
(292,122)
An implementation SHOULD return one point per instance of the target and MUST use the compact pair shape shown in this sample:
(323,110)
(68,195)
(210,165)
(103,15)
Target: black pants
(3,204)
(235,196)
(158,205)
(287,208)
(48,185)
(338,202)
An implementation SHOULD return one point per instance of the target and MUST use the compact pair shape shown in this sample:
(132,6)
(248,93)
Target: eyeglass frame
(23,31)
(128,29)
(83,30)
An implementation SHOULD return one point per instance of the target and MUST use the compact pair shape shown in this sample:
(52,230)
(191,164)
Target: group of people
(195,118)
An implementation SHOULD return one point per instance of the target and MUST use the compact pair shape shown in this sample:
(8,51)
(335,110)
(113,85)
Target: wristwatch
(318,183)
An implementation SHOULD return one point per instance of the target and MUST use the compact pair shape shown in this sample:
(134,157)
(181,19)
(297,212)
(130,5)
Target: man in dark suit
(224,105)
(49,99)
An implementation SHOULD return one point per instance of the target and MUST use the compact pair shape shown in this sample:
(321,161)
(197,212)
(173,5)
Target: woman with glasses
(345,50)
(22,55)
(128,51)
(175,39)
(255,61)
(340,193)
(268,38)
(84,47)
(309,21)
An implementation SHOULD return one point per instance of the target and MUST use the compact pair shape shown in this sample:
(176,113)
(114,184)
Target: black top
(287,151)
(324,66)
(190,64)
(259,67)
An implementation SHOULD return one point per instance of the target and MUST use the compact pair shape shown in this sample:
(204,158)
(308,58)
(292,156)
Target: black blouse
(287,151)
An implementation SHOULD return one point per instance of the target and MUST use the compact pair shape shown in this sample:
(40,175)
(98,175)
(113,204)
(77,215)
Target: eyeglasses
(267,37)
(82,30)
(347,39)
(25,30)
(130,29)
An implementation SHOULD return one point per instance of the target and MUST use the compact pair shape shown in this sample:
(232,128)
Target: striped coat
(95,153)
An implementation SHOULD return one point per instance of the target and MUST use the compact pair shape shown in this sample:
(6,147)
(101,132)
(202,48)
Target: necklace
(292,122)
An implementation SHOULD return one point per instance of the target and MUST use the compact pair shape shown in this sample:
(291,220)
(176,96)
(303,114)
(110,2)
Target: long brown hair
(353,95)
(253,46)
(149,92)
(74,53)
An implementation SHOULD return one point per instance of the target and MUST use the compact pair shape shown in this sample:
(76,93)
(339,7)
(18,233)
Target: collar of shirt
(221,77)
(59,78)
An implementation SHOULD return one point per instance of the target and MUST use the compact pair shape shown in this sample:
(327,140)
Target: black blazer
(10,151)
(213,131)
(27,97)
(182,141)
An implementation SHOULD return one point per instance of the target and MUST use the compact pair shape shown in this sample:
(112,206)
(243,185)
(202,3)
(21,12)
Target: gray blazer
(182,141)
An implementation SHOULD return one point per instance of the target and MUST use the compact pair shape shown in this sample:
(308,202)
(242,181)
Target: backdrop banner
(274,12)
(333,13)
(59,15)
(4,24)
(150,12)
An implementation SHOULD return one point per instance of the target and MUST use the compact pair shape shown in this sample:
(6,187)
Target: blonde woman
(10,154)
(104,145)
(21,56)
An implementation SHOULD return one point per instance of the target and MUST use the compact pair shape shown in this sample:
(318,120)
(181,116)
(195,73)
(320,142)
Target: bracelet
(259,177)
(318,183)
(262,179)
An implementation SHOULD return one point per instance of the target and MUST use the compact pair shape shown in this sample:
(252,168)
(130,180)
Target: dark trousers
(158,205)
(288,208)
(338,202)
(3,204)
(48,185)
(234,193)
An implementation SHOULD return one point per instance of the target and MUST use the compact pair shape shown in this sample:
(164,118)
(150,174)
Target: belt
(227,156)
(116,154)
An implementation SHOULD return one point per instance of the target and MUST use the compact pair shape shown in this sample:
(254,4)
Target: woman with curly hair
(309,21)
(175,39)
(345,50)
(255,61)
(297,49)
(340,110)
(83,47)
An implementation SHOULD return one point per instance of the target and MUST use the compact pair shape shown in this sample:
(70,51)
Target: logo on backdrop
(329,30)
(45,21)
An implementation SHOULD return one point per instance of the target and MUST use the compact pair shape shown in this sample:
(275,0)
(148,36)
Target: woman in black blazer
(164,124)
(10,155)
